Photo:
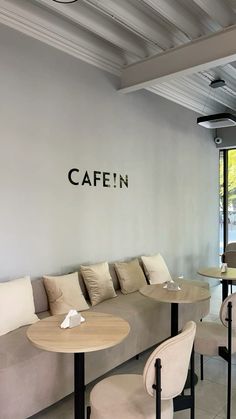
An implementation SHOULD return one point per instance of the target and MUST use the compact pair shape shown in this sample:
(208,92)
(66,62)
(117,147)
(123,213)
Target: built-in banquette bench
(32,379)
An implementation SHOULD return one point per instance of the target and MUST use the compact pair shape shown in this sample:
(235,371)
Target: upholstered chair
(214,338)
(230,246)
(229,257)
(147,396)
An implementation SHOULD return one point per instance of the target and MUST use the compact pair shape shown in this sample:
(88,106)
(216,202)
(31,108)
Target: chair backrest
(230,246)
(175,355)
(230,258)
(224,310)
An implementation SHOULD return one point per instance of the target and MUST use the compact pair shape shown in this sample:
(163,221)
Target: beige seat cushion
(98,282)
(130,275)
(16,304)
(124,397)
(156,269)
(64,293)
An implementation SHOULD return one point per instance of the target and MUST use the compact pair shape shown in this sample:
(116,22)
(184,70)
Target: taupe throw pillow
(130,275)
(98,282)
(64,293)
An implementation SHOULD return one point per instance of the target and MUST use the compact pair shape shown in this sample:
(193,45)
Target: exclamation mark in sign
(114,174)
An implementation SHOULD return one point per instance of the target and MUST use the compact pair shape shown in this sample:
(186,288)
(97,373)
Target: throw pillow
(64,293)
(98,282)
(17,304)
(156,269)
(130,275)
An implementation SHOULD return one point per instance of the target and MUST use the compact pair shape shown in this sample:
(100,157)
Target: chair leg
(229,358)
(88,412)
(192,387)
(157,387)
(201,367)
(226,354)
(229,390)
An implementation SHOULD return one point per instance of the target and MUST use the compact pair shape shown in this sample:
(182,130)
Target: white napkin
(66,322)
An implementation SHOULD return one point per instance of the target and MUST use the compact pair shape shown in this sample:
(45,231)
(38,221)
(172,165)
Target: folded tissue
(72,319)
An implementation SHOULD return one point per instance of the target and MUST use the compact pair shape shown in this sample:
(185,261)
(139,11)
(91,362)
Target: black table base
(225,288)
(174,332)
(174,319)
(79,386)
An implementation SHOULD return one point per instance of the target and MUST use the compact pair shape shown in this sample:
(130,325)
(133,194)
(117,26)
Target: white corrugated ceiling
(173,48)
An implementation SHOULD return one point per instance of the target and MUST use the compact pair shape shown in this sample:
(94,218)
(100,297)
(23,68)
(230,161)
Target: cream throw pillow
(16,304)
(156,269)
(130,275)
(98,282)
(64,293)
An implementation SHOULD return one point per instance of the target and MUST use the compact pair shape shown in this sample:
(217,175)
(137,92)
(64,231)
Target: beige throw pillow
(156,269)
(130,275)
(16,304)
(98,282)
(64,293)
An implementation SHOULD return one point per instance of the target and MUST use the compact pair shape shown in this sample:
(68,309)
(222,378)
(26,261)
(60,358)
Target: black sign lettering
(86,179)
(96,177)
(106,179)
(70,178)
(124,180)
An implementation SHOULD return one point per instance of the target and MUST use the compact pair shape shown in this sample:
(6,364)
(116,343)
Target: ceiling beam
(101,25)
(204,53)
(40,24)
(183,97)
(218,10)
(135,20)
(233,5)
(176,14)
(195,83)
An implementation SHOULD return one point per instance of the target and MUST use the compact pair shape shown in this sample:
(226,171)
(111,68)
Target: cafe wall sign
(97,177)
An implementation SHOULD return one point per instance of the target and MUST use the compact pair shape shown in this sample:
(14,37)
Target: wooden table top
(214,272)
(99,331)
(187,294)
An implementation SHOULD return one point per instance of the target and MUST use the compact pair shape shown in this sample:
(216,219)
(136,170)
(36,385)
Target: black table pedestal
(225,290)
(79,387)
(174,319)
(174,332)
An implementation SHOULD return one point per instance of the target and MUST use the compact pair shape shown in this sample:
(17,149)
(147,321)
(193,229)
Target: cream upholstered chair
(214,338)
(229,257)
(132,396)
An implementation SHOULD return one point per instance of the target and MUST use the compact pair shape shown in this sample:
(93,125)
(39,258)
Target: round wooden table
(186,295)
(99,331)
(226,277)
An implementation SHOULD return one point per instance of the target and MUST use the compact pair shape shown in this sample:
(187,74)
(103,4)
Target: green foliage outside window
(231,180)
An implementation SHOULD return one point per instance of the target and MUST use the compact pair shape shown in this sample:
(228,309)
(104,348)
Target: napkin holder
(223,268)
(172,286)
(72,319)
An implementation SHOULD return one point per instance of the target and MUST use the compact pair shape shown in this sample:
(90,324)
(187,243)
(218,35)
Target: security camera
(218,140)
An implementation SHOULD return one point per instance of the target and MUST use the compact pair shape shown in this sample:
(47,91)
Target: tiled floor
(210,393)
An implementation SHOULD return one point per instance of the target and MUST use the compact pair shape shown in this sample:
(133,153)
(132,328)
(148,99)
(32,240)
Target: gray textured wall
(58,113)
